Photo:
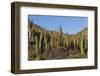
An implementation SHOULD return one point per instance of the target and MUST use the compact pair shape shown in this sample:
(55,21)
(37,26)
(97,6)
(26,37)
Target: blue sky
(70,24)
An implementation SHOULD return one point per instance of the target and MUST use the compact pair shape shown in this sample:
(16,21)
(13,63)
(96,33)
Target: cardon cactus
(46,44)
(81,46)
(40,41)
(37,45)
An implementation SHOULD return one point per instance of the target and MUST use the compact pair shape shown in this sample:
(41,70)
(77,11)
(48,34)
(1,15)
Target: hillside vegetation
(44,44)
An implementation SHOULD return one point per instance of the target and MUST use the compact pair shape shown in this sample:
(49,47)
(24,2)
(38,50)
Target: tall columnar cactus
(66,43)
(86,40)
(74,42)
(29,30)
(46,44)
(37,45)
(81,46)
(52,40)
(77,41)
(40,41)
(58,39)
(69,41)
(33,35)
(60,36)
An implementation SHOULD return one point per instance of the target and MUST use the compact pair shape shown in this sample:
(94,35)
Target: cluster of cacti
(44,41)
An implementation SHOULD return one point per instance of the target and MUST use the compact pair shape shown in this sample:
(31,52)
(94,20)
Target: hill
(44,44)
